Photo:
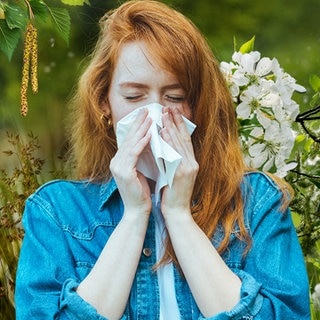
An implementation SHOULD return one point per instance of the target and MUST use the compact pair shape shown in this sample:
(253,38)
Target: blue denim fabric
(68,223)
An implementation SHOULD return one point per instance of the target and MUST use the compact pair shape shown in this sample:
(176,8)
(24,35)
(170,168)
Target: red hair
(178,46)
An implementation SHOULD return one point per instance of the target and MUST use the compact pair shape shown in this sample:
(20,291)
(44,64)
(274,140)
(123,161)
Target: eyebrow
(139,85)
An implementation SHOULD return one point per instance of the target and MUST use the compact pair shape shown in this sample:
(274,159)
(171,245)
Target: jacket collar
(106,191)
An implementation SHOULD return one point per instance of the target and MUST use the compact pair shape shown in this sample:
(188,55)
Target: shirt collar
(106,191)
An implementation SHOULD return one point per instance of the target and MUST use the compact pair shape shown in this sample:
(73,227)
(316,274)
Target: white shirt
(168,301)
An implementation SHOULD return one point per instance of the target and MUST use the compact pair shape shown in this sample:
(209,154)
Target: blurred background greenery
(287,30)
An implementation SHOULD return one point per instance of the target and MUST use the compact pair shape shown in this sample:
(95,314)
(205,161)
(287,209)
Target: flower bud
(2,15)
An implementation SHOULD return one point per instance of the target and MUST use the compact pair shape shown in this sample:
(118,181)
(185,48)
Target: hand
(177,199)
(133,186)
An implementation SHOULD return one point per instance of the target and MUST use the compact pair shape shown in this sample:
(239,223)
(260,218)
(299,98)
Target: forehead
(133,56)
(136,62)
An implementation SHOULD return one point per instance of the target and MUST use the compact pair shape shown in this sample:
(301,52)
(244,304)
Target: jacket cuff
(250,300)
(74,306)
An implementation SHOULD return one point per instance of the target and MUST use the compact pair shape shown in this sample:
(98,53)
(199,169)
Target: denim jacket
(67,224)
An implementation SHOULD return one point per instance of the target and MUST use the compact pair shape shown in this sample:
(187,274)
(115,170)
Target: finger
(135,142)
(179,122)
(130,151)
(140,126)
(175,131)
(181,142)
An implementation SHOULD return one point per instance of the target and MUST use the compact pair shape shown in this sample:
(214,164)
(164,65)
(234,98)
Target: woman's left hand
(214,286)
(177,199)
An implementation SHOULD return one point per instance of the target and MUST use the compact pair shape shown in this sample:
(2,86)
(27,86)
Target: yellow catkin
(26,69)
(29,66)
(34,60)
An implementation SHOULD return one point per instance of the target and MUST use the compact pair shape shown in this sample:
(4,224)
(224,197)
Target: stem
(305,174)
(31,15)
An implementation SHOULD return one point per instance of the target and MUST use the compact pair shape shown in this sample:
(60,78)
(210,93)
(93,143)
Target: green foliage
(313,264)
(315,82)
(75,2)
(14,18)
(8,38)
(61,19)
(305,180)
(15,187)
(247,46)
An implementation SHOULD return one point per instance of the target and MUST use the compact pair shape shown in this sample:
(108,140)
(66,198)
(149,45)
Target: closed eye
(175,98)
(133,98)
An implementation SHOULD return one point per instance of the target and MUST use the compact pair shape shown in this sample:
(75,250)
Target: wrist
(177,216)
(135,217)
(137,210)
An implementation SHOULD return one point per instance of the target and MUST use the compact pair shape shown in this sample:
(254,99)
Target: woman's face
(138,80)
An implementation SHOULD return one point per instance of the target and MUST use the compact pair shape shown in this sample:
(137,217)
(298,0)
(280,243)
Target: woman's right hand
(133,186)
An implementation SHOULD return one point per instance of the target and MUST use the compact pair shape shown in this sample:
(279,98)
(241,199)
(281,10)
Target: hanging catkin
(34,60)
(29,66)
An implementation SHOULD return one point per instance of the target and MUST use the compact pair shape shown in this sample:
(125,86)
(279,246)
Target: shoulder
(62,197)
(261,193)
(75,206)
(62,192)
(259,184)
(57,188)
(260,180)
(59,194)
(76,193)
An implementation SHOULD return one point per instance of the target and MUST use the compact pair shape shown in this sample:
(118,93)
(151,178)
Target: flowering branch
(262,93)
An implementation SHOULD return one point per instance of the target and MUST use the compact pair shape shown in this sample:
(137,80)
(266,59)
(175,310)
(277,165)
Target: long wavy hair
(180,48)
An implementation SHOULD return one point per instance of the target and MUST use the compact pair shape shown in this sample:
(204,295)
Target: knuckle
(187,138)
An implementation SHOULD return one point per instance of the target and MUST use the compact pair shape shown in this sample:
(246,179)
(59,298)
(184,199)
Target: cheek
(119,109)
(116,108)
(117,115)
(187,112)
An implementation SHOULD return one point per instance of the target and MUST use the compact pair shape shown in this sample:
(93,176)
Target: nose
(155,97)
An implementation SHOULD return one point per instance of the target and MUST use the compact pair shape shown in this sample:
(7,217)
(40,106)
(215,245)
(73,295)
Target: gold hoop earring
(106,118)
(109,122)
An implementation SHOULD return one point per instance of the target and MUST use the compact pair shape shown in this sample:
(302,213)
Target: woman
(219,244)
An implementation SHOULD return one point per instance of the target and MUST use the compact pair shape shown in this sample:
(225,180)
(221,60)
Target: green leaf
(316,183)
(313,261)
(39,9)
(248,46)
(314,81)
(300,138)
(61,20)
(2,15)
(75,2)
(16,16)
(308,144)
(9,39)
(234,43)
(315,99)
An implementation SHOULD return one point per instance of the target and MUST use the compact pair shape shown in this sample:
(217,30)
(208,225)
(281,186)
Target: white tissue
(159,161)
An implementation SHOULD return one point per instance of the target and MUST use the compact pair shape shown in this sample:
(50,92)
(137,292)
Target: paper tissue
(159,161)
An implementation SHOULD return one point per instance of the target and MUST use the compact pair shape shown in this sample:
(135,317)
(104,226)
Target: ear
(105,107)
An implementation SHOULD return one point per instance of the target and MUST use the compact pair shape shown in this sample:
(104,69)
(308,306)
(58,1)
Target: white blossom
(316,297)
(262,92)
(283,171)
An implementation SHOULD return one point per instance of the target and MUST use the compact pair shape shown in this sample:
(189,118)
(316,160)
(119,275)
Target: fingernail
(143,111)
(165,109)
(165,114)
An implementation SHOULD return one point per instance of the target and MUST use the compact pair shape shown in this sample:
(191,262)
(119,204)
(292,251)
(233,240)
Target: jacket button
(147,252)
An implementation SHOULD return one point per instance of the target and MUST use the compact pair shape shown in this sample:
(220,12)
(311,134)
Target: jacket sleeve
(273,274)
(46,281)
